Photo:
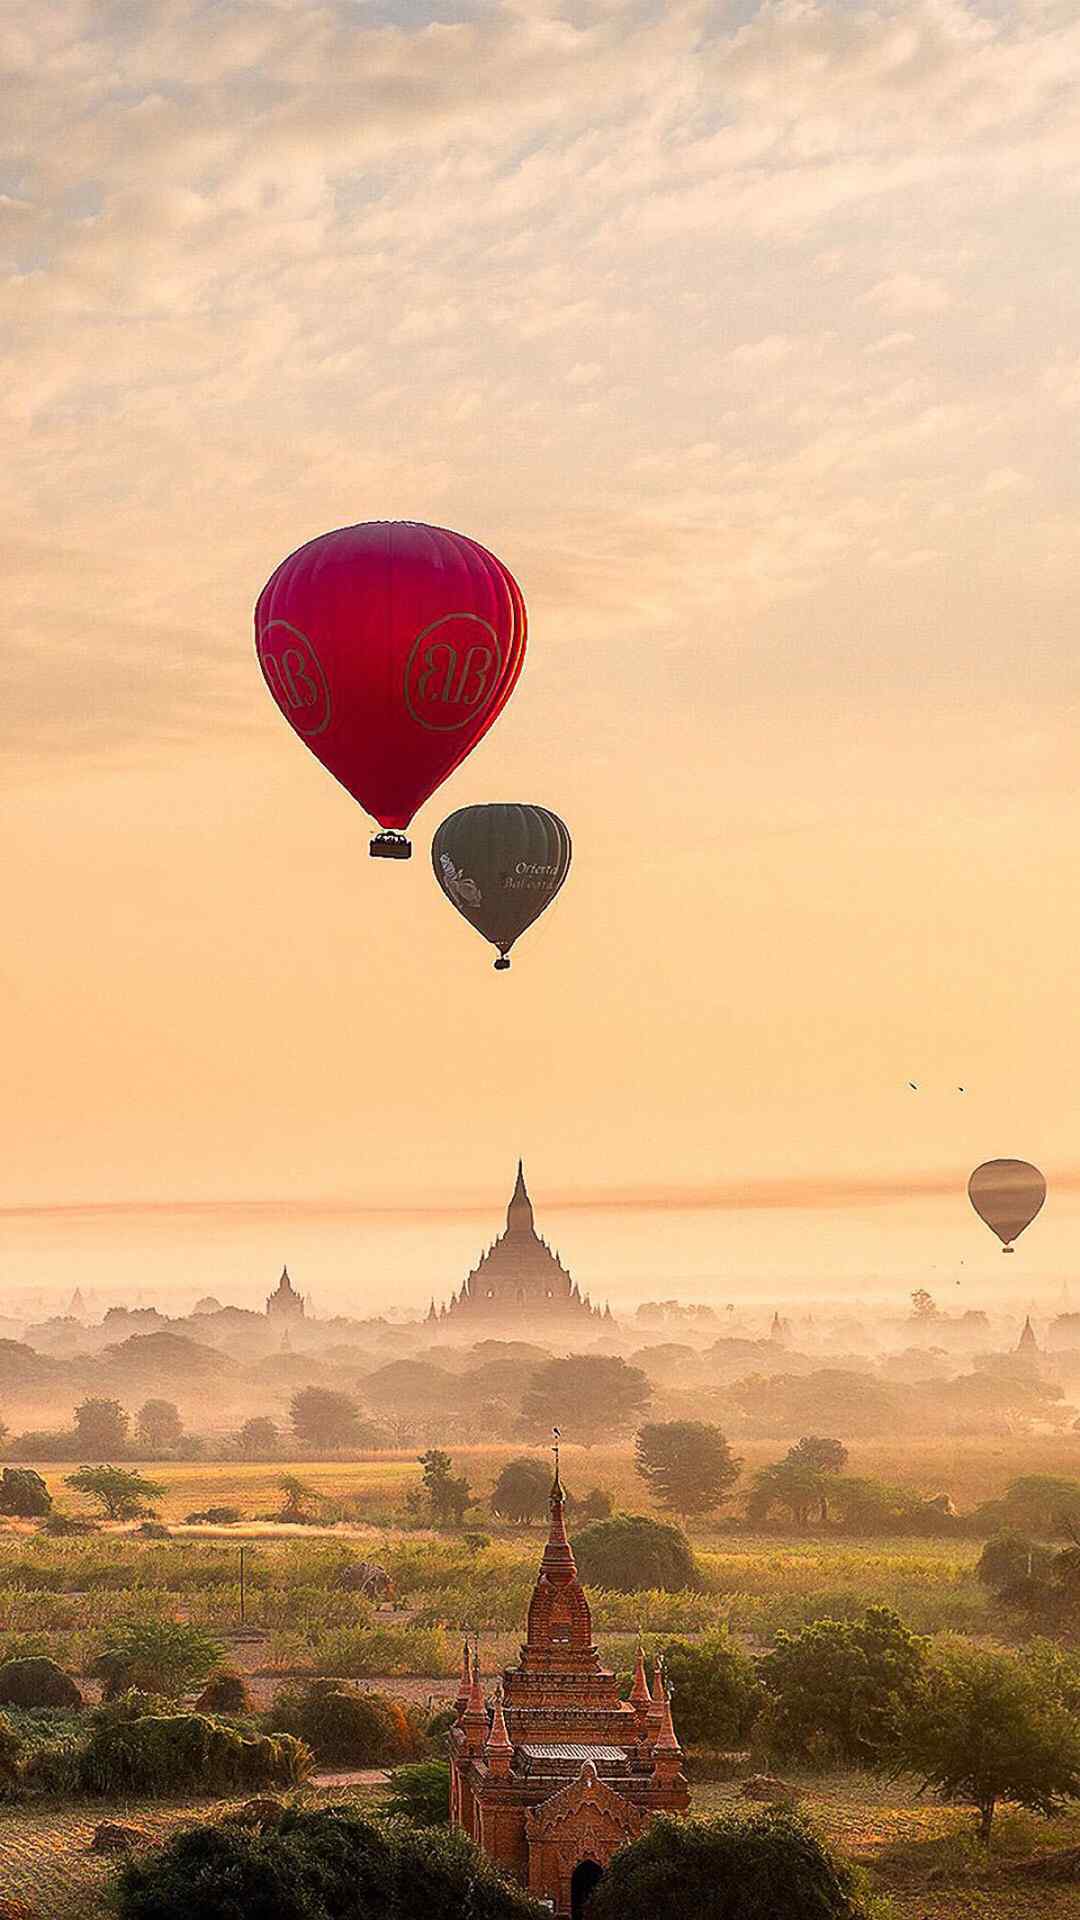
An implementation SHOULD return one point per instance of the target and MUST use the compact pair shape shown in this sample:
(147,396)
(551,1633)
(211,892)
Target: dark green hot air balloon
(500,866)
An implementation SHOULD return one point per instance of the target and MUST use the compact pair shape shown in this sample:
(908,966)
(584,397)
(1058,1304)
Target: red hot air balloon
(390,648)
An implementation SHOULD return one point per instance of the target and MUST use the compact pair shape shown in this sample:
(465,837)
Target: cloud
(269,268)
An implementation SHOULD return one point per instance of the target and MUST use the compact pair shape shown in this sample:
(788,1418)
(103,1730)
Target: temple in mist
(285,1306)
(520,1279)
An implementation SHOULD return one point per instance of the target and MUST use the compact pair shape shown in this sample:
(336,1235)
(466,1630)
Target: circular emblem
(452,672)
(294,674)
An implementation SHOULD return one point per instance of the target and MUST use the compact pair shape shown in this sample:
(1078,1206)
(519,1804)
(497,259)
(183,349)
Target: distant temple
(1027,1342)
(561,1773)
(285,1305)
(519,1278)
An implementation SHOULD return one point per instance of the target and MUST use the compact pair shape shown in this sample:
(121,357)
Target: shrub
(631,1551)
(224,1693)
(160,1656)
(214,1517)
(1011,1557)
(727,1869)
(313,1865)
(64,1526)
(717,1695)
(171,1753)
(10,1754)
(841,1688)
(421,1793)
(37,1683)
(345,1725)
(23,1494)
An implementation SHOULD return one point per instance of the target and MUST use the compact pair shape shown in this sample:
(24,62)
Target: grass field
(918,1856)
(976,1468)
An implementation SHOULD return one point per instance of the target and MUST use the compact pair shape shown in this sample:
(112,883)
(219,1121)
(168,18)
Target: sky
(747,337)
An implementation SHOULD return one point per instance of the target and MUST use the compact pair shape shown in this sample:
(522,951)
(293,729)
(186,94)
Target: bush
(1010,1558)
(717,1694)
(214,1517)
(842,1688)
(174,1753)
(65,1526)
(727,1869)
(160,1656)
(421,1793)
(314,1865)
(10,1755)
(344,1725)
(631,1551)
(37,1683)
(224,1693)
(23,1494)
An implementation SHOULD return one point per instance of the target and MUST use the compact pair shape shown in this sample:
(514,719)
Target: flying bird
(913,1085)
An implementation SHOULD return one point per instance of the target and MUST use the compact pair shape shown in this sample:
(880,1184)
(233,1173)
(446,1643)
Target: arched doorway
(585,1877)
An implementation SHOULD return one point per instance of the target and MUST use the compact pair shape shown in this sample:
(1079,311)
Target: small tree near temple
(449,1496)
(522,1490)
(843,1687)
(602,1395)
(985,1727)
(687,1465)
(120,1493)
(717,1694)
(630,1551)
(166,1657)
(322,1417)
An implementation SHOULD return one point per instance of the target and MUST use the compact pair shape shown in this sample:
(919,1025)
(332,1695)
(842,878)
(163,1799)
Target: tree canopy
(589,1395)
(687,1465)
(630,1551)
(727,1869)
(322,1417)
(841,1688)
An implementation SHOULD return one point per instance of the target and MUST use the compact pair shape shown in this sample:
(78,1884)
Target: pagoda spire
(499,1751)
(474,1719)
(640,1698)
(519,1214)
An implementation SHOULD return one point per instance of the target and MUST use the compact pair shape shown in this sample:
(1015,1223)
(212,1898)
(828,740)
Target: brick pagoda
(560,1773)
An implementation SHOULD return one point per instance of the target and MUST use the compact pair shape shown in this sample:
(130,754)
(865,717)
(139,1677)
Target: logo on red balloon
(453,671)
(295,677)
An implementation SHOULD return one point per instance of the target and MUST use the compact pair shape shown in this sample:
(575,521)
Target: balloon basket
(502,964)
(390,846)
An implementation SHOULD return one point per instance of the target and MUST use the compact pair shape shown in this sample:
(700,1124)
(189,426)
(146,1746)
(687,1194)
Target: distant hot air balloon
(1007,1194)
(500,866)
(390,648)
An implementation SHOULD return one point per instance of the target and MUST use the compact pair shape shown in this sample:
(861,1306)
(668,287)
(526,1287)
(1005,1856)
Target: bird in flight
(913,1084)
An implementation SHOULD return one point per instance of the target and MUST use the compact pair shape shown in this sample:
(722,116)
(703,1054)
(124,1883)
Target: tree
(120,1493)
(300,1499)
(631,1551)
(590,1395)
(843,1687)
(101,1428)
(799,1482)
(985,1728)
(449,1496)
(323,1418)
(258,1436)
(522,1491)
(167,1657)
(687,1465)
(922,1305)
(717,1694)
(420,1793)
(23,1494)
(159,1425)
(727,1869)
(317,1861)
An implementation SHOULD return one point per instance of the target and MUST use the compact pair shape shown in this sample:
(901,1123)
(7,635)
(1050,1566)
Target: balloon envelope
(1007,1194)
(500,866)
(390,648)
